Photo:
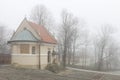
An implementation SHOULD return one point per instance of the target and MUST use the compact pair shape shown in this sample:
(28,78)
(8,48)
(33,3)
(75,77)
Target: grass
(11,73)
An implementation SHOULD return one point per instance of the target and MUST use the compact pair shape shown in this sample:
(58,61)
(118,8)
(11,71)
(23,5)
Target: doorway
(49,57)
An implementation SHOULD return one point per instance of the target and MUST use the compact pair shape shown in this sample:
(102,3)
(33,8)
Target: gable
(35,32)
(24,35)
(24,25)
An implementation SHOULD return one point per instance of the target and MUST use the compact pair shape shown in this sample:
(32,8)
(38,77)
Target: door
(49,57)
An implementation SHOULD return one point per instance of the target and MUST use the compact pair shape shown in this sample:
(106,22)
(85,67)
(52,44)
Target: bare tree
(74,44)
(2,40)
(4,37)
(102,43)
(86,43)
(67,29)
(95,44)
(111,58)
(42,16)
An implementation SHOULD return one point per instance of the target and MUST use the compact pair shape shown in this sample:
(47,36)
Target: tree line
(75,44)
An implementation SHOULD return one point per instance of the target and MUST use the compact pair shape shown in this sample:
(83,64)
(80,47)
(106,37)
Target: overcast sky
(94,12)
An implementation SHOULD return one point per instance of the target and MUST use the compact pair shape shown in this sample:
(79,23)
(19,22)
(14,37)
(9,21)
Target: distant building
(32,46)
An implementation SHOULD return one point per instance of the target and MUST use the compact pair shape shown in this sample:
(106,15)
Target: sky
(94,12)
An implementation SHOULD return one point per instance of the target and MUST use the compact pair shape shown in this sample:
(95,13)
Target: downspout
(39,55)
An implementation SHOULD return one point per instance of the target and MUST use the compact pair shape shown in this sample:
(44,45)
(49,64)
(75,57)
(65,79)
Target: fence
(5,58)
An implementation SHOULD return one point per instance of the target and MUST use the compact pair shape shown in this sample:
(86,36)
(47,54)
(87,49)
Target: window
(33,50)
(24,48)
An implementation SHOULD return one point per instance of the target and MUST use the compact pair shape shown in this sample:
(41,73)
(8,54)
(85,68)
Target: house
(32,46)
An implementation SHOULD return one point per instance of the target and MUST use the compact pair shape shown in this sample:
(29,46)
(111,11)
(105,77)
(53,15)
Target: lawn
(11,73)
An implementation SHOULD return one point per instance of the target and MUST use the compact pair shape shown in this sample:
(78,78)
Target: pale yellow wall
(44,52)
(32,59)
(15,49)
(25,59)
(36,48)
(43,61)
(45,47)
(29,60)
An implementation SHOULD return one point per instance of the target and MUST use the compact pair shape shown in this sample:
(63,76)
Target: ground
(12,73)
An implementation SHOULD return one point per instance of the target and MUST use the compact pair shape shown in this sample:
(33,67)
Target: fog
(95,16)
(93,12)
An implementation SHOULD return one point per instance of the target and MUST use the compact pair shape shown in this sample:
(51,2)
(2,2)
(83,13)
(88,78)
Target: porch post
(39,55)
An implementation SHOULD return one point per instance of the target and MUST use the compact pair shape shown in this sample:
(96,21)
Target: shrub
(54,67)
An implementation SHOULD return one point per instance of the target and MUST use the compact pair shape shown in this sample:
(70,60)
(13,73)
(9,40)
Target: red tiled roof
(44,34)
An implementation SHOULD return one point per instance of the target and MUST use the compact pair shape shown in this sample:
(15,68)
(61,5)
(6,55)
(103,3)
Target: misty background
(87,30)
